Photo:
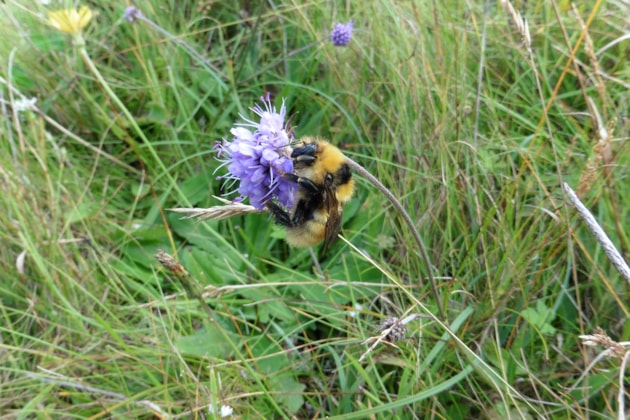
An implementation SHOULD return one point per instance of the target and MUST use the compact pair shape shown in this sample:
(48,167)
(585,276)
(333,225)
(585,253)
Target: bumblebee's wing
(333,224)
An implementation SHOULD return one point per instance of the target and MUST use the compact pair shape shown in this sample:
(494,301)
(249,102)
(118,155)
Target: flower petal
(258,155)
(70,20)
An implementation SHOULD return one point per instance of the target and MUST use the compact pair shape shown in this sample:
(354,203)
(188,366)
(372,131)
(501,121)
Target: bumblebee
(324,185)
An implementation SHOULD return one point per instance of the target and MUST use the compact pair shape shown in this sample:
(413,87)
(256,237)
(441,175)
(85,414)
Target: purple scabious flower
(257,156)
(341,34)
(132,13)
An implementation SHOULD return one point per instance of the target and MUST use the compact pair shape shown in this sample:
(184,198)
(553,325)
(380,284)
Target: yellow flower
(70,20)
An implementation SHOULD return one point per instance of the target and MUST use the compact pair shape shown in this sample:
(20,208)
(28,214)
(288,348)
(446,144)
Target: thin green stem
(414,231)
(214,71)
(194,291)
(80,44)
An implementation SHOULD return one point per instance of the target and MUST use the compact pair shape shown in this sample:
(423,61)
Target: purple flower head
(257,156)
(341,34)
(132,13)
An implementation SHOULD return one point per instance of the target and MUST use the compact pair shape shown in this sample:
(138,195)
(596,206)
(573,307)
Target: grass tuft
(482,298)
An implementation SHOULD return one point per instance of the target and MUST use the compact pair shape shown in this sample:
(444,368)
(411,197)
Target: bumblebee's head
(322,163)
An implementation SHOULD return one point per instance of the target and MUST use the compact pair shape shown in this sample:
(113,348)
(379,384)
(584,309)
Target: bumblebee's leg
(311,200)
(309,186)
(304,211)
(281,216)
(305,154)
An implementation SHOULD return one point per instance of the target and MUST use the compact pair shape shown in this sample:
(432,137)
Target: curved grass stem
(407,219)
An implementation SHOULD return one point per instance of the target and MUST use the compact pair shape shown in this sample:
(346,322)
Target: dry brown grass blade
(229,209)
(609,248)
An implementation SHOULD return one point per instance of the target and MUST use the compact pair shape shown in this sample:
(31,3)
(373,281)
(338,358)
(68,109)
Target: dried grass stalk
(229,209)
(607,245)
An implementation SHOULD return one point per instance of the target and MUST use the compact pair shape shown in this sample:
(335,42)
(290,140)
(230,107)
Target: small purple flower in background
(341,34)
(258,155)
(132,13)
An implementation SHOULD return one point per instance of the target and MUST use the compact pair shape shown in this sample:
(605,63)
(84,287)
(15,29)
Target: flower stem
(407,219)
